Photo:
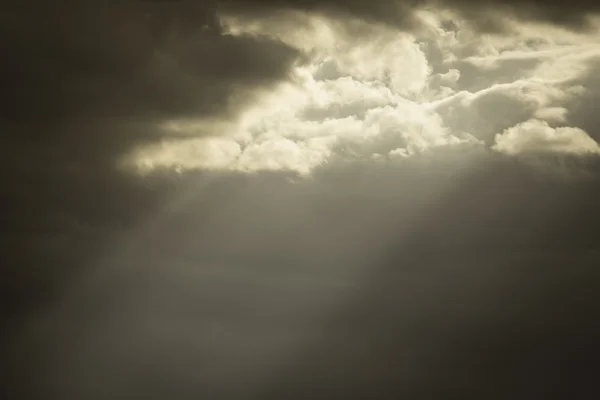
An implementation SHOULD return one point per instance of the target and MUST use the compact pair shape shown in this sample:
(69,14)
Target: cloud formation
(535,136)
(279,199)
(372,91)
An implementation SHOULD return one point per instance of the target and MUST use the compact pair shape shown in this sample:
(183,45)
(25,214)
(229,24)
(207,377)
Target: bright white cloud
(206,153)
(284,154)
(537,137)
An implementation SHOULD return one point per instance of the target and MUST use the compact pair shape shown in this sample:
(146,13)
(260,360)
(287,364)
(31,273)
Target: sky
(309,199)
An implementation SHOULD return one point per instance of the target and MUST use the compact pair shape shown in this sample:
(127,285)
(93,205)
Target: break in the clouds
(367,90)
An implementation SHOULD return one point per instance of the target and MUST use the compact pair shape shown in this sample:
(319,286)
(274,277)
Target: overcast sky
(309,199)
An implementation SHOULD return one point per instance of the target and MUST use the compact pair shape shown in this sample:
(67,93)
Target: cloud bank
(372,91)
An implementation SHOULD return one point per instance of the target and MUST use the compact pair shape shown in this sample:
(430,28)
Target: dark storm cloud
(484,13)
(135,61)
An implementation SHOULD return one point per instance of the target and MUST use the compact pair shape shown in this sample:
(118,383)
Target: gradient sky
(309,199)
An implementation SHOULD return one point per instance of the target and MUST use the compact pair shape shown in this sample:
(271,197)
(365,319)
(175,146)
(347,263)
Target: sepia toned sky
(303,199)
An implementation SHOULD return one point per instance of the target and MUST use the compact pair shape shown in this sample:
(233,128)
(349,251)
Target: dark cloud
(575,14)
(128,61)
(486,14)
(393,12)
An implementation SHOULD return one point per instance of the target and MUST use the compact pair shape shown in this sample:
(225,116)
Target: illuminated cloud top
(371,90)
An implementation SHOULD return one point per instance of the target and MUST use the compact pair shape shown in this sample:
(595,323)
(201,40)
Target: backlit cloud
(367,91)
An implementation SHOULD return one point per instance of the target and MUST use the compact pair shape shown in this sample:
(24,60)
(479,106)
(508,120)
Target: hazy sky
(307,199)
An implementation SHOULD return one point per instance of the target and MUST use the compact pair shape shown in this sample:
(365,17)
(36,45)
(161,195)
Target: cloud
(354,105)
(535,136)
(130,63)
(205,153)
(324,186)
(373,91)
(488,15)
